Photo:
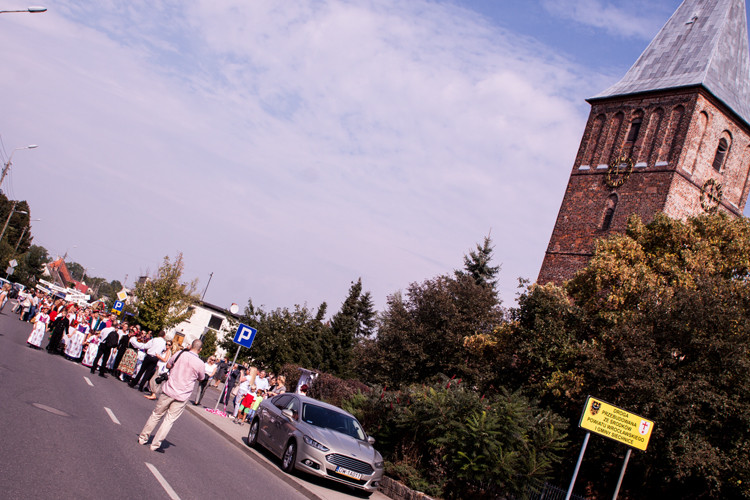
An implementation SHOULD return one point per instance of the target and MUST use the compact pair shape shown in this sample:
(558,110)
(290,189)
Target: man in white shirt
(108,341)
(185,369)
(154,348)
(261,382)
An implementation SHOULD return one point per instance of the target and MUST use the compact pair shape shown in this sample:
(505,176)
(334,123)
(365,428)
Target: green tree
(17,237)
(284,336)
(477,265)
(422,335)
(658,323)
(162,299)
(108,290)
(355,320)
(30,265)
(75,269)
(209,344)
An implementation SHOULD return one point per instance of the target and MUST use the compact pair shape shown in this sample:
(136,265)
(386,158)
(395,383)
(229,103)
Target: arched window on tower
(721,154)
(635,128)
(609,212)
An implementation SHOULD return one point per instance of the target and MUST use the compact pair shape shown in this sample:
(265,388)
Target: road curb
(200,413)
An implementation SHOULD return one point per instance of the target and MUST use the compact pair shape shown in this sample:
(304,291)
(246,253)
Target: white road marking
(88,381)
(111,415)
(164,484)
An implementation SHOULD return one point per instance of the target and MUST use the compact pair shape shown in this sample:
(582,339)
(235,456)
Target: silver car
(317,438)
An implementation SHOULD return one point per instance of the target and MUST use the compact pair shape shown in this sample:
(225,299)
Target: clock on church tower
(672,136)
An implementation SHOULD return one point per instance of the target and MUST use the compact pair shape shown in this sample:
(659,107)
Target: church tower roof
(703,43)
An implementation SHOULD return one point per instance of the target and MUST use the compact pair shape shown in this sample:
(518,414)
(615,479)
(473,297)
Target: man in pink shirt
(185,368)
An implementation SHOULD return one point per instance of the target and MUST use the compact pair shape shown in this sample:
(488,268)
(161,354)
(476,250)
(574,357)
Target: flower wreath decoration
(618,172)
(711,194)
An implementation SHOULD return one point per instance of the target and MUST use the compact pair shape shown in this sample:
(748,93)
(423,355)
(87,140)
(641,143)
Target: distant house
(205,317)
(58,273)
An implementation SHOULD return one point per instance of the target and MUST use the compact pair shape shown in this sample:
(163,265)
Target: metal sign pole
(622,474)
(227,380)
(578,465)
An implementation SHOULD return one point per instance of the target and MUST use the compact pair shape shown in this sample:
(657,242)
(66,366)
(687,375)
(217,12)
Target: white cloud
(626,20)
(289,148)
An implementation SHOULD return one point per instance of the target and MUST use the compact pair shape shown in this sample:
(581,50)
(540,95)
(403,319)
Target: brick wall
(672,156)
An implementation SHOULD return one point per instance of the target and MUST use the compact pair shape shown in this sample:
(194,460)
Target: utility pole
(12,211)
(206,289)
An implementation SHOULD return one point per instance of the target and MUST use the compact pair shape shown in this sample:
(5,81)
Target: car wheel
(290,456)
(252,436)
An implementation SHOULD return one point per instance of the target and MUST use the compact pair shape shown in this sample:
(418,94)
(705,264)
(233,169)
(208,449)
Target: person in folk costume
(122,346)
(59,327)
(96,323)
(40,328)
(76,337)
(127,364)
(92,341)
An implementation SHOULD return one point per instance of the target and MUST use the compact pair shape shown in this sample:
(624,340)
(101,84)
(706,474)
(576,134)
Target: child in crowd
(245,405)
(259,397)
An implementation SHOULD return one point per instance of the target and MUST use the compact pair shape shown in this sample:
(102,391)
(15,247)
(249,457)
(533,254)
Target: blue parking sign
(118,305)
(245,335)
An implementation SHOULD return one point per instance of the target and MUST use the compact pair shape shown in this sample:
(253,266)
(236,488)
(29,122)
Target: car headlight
(313,443)
(379,465)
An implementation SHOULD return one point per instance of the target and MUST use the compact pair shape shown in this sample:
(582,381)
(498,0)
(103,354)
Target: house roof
(704,43)
(62,270)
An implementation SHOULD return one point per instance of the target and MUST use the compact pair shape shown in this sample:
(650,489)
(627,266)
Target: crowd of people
(245,388)
(145,360)
(102,342)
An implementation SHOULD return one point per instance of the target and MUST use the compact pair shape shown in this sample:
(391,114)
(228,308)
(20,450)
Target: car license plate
(347,472)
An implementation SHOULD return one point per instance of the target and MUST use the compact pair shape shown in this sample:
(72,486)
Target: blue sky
(292,147)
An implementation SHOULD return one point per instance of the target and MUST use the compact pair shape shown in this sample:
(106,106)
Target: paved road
(67,434)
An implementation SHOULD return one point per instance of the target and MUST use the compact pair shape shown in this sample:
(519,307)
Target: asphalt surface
(65,433)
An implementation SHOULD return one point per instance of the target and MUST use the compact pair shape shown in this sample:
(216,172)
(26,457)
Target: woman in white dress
(75,339)
(40,328)
(93,346)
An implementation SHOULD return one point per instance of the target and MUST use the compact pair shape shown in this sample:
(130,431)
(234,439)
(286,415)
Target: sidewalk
(313,487)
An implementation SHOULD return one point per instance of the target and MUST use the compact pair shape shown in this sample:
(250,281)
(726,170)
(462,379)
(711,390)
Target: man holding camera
(185,368)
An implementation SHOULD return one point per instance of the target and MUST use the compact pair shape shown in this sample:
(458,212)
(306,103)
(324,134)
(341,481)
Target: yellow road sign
(616,423)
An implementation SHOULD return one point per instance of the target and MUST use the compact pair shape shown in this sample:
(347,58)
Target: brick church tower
(672,136)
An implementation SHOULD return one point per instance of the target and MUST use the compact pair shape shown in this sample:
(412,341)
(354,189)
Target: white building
(205,316)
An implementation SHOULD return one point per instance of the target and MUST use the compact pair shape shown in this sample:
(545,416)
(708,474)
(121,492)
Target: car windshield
(331,419)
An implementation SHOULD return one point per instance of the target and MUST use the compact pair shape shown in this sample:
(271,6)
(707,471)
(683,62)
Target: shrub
(447,440)
(334,390)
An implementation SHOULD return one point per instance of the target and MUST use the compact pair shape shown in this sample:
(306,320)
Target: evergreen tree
(355,320)
(209,344)
(477,265)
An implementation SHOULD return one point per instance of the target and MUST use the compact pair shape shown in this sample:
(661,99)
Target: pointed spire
(703,43)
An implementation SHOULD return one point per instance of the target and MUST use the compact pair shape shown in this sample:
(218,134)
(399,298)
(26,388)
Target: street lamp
(33,9)
(23,233)
(7,163)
